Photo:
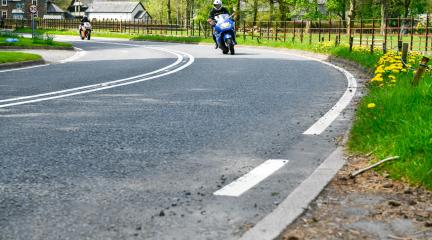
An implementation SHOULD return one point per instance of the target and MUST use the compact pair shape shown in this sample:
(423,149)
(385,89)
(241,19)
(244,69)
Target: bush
(43,39)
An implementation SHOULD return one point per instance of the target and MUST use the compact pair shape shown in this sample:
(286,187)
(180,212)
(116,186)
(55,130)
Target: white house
(119,10)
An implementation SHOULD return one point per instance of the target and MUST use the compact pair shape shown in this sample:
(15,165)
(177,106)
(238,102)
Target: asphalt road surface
(84,156)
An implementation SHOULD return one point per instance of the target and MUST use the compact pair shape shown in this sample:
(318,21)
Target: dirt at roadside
(370,206)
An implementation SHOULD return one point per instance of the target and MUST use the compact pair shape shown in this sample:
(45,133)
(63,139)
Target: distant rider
(84,19)
(216,11)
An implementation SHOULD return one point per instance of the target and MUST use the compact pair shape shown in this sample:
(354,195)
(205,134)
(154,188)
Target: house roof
(113,6)
(52,8)
(84,3)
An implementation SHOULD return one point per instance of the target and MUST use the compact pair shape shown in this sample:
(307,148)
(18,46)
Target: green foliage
(288,9)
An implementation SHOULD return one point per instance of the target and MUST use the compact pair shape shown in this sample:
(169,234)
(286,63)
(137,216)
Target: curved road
(143,160)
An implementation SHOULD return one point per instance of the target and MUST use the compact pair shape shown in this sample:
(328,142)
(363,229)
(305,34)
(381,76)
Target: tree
(337,7)
(284,10)
(351,15)
(255,11)
(271,13)
(169,10)
(383,16)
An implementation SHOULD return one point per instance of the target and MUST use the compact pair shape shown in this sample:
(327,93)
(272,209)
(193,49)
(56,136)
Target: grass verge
(14,57)
(395,119)
(15,40)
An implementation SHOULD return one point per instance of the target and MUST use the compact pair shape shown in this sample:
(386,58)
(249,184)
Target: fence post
(294,31)
(330,29)
(199,28)
(339,31)
(285,30)
(385,37)
(361,31)
(351,41)
(260,29)
(310,32)
(373,36)
(244,30)
(427,32)
(400,45)
(421,69)
(302,32)
(276,29)
(412,33)
(399,30)
(319,30)
(268,30)
(404,52)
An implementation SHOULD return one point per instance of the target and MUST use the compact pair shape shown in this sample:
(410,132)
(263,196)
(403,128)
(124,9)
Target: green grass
(12,57)
(29,43)
(400,125)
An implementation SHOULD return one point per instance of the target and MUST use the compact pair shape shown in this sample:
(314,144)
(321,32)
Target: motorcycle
(225,33)
(85,30)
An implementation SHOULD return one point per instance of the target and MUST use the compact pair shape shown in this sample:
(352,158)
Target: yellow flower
(371,105)
(393,81)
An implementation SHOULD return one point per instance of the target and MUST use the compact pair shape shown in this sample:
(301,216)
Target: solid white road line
(103,86)
(296,203)
(324,122)
(179,60)
(252,178)
(17,69)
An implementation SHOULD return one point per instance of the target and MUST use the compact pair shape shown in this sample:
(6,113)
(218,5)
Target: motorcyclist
(217,10)
(83,20)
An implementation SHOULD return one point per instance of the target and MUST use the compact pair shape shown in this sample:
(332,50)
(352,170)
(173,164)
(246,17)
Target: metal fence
(364,32)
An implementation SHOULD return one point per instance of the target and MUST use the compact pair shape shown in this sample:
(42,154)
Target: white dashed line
(252,178)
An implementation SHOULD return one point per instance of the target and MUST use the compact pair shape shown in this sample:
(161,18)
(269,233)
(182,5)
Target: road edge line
(273,224)
(298,201)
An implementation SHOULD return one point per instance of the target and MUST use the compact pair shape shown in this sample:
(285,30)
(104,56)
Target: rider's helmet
(217,4)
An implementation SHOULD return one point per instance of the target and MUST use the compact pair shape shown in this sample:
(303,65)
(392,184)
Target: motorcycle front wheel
(230,44)
(81,35)
(88,35)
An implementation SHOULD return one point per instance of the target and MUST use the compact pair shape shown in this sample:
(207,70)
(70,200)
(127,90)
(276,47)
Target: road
(83,157)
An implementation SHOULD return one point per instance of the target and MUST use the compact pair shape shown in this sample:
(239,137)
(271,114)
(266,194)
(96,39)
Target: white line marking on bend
(324,122)
(78,54)
(179,60)
(252,178)
(102,86)
(17,69)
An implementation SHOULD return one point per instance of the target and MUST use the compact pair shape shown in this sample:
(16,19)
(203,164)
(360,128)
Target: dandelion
(371,105)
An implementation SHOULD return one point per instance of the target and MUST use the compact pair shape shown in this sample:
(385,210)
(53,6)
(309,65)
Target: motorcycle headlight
(225,25)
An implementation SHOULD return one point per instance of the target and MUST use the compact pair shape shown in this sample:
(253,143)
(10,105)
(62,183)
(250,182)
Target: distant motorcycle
(85,30)
(225,33)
